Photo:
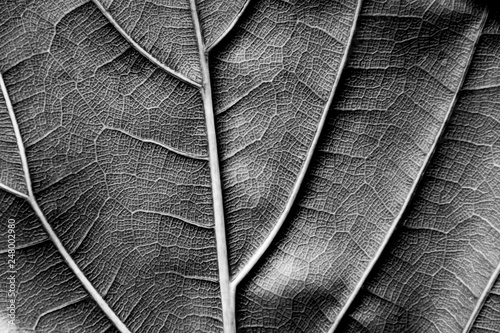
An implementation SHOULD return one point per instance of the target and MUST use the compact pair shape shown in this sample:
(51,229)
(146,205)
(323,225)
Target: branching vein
(48,228)
(228,302)
(482,299)
(267,242)
(229,28)
(412,191)
(139,48)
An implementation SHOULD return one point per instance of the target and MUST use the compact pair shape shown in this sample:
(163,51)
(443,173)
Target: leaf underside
(359,155)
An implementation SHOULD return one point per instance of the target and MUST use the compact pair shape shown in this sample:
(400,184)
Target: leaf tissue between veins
(250,166)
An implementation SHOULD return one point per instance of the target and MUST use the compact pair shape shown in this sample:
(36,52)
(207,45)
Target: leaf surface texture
(358,155)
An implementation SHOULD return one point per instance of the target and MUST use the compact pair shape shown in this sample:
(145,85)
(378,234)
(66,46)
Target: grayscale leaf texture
(251,165)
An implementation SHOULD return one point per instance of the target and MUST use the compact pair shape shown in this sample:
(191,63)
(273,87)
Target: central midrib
(228,288)
(227,298)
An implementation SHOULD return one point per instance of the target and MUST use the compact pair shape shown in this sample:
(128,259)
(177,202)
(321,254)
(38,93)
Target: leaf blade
(410,195)
(121,167)
(264,133)
(104,179)
(52,235)
(217,28)
(249,266)
(12,174)
(228,307)
(451,217)
(488,317)
(174,72)
(163,30)
(361,177)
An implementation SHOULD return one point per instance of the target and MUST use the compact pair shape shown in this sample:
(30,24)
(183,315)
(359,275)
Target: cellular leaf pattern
(250,166)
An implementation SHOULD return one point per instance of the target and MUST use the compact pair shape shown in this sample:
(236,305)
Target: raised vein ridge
(267,242)
(169,148)
(411,193)
(481,300)
(13,191)
(139,48)
(52,235)
(228,302)
(229,28)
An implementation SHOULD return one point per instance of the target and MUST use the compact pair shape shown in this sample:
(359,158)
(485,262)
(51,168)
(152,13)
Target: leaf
(11,175)
(251,166)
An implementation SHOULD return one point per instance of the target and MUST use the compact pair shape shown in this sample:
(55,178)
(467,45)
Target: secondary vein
(13,191)
(482,299)
(48,228)
(145,140)
(412,191)
(229,28)
(496,273)
(268,241)
(141,50)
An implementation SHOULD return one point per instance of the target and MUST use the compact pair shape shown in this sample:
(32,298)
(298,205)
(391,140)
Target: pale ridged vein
(48,228)
(268,241)
(13,191)
(229,28)
(481,300)
(228,304)
(141,50)
(411,193)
